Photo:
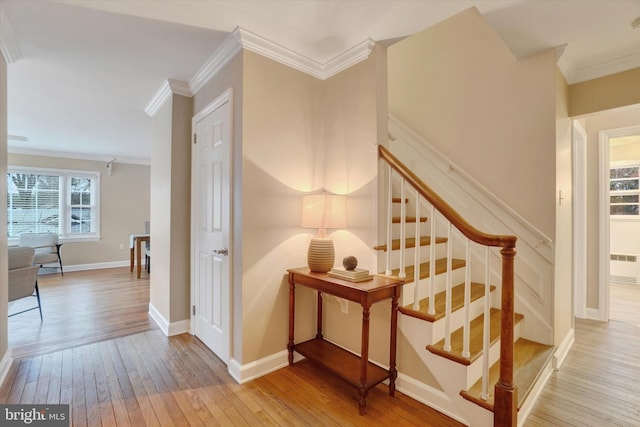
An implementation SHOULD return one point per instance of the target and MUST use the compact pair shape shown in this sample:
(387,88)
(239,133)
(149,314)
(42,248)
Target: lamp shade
(324,211)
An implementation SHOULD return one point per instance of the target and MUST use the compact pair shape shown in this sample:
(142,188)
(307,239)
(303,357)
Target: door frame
(226,96)
(579,149)
(604,234)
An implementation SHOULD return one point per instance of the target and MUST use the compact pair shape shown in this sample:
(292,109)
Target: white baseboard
(180,327)
(593,314)
(5,365)
(169,329)
(563,349)
(95,266)
(252,370)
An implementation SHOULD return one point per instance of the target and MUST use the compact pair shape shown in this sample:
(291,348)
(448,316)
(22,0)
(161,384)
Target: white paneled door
(211,206)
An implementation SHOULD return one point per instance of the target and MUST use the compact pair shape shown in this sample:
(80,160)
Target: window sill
(15,241)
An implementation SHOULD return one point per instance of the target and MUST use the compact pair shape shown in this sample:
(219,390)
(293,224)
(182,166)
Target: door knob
(223,251)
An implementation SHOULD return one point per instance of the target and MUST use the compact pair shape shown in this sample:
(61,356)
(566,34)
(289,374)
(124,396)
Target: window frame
(65,208)
(626,164)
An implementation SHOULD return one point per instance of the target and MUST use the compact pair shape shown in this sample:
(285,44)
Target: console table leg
(393,373)
(362,402)
(292,317)
(319,317)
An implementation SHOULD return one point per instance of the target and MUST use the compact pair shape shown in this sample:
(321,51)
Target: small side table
(357,371)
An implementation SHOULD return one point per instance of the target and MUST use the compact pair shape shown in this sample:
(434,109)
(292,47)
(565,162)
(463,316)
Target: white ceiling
(87,69)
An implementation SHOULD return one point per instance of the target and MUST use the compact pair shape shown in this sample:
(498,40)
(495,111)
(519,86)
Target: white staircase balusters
(389,221)
(484,394)
(403,245)
(449,279)
(432,263)
(466,327)
(416,257)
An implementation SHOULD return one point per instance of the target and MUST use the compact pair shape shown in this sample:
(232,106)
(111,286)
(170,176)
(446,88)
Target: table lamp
(322,211)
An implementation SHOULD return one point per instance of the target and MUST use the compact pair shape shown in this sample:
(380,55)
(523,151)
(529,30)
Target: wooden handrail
(443,207)
(505,408)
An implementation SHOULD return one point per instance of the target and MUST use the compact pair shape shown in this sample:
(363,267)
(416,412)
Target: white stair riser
(441,252)
(474,371)
(457,320)
(420,333)
(440,285)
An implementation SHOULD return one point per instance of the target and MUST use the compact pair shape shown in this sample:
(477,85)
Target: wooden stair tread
(529,358)
(410,242)
(475,341)
(441,267)
(399,200)
(408,219)
(457,302)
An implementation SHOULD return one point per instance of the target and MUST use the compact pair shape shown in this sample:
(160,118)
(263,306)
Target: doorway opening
(623,200)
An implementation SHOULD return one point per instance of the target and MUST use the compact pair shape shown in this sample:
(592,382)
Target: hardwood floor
(98,350)
(599,382)
(624,303)
(81,307)
(112,374)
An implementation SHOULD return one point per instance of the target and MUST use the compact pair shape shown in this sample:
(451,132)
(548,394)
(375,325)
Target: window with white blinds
(624,191)
(58,201)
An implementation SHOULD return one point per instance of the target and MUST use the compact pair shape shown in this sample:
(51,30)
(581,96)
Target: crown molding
(168,88)
(614,66)
(77,156)
(227,50)
(244,39)
(240,39)
(8,45)
(350,57)
(279,53)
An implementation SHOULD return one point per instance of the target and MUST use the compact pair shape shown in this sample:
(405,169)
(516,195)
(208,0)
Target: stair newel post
(506,393)
(389,221)
(432,263)
(449,279)
(467,302)
(484,394)
(403,244)
(416,257)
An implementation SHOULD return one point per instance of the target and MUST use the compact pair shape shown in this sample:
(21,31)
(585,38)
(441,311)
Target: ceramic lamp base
(320,256)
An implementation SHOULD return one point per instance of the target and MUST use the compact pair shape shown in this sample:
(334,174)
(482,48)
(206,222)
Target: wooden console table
(357,371)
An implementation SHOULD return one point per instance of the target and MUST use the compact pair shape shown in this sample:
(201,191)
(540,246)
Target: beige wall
(595,123)
(124,207)
(563,289)
(231,76)
(171,209)
(327,142)
(459,87)
(160,284)
(3,212)
(282,159)
(605,93)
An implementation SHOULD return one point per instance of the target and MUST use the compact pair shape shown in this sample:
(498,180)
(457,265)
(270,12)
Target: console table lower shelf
(341,362)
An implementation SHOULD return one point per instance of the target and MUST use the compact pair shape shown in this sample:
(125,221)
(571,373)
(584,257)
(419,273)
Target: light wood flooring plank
(599,382)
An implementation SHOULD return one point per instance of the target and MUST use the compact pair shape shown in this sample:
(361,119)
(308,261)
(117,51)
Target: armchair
(22,276)
(47,248)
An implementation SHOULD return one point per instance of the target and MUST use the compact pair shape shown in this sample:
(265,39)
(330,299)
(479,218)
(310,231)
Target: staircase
(458,302)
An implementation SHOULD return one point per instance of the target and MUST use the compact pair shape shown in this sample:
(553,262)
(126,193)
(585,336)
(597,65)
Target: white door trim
(579,149)
(604,220)
(226,96)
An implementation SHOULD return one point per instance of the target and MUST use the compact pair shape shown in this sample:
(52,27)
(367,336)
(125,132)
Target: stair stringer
(533,278)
